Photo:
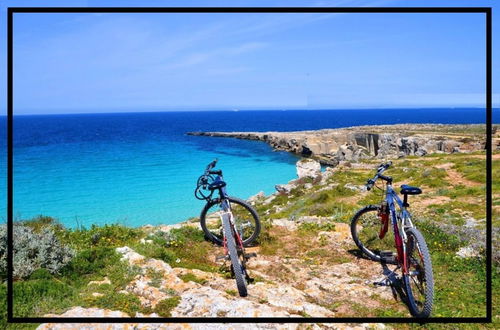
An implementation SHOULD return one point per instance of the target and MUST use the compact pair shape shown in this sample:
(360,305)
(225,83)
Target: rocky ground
(286,286)
(291,285)
(307,264)
(301,273)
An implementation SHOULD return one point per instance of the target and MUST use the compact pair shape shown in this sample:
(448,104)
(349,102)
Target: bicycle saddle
(409,190)
(216,185)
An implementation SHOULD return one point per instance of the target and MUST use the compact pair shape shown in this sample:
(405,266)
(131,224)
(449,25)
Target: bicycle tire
(414,236)
(365,227)
(239,272)
(252,217)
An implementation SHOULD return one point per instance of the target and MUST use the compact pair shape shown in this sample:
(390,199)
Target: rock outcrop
(331,146)
(308,168)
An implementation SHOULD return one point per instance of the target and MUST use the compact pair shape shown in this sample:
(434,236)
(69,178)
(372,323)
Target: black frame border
(10,17)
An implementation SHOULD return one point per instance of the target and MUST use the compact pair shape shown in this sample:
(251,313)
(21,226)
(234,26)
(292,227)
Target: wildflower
(178,260)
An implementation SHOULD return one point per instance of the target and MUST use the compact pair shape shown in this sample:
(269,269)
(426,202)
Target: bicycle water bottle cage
(216,185)
(409,190)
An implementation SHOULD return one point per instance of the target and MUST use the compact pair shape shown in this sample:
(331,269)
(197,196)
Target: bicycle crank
(387,280)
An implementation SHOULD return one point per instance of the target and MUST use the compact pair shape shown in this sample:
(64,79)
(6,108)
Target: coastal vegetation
(305,238)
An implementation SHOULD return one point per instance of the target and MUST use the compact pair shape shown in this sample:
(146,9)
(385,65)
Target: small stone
(284,188)
(421,152)
(355,187)
(288,224)
(269,199)
(105,281)
(130,255)
(467,252)
(256,197)
(312,219)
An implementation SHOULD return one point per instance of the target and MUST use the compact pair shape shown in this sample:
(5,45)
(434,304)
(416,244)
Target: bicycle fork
(228,216)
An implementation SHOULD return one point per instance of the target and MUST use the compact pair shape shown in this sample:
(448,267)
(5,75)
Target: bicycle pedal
(384,282)
(250,255)
(222,257)
(387,256)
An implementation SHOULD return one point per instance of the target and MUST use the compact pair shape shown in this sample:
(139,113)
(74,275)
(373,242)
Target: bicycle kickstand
(388,279)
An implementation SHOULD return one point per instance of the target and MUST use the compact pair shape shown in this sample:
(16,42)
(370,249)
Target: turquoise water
(142,168)
(136,184)
(129,169)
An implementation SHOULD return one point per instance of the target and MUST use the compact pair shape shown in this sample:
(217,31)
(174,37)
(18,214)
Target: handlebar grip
(212,164)
(218,172)
(384,166)
(369,184)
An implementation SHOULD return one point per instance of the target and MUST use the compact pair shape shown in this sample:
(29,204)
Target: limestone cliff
(332,146)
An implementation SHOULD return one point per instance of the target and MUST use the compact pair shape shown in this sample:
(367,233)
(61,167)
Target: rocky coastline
(333,146)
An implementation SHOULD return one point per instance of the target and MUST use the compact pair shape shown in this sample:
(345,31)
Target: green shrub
(178,236)
(165,307)
(114,235)
(127,303)
(41,221)
(91,261)
(311,227)
(36,297)
(191,277)
(156,251)
(41,274)
(437,238)
(33,251)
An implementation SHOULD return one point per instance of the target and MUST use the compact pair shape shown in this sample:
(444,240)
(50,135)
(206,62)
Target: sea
(141,168)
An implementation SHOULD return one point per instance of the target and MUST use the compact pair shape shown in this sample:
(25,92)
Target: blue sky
(73,63)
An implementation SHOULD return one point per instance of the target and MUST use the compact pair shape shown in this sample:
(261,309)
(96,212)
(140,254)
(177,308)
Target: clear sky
(73,63)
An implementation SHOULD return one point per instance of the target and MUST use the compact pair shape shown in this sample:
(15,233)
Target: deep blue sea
(141,168)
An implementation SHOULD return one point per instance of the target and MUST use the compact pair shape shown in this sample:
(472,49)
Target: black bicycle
(227,221)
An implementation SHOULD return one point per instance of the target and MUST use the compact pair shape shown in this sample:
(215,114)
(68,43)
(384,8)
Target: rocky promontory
(331,146)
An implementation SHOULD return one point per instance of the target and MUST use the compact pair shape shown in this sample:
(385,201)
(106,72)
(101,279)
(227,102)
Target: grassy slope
(460,283)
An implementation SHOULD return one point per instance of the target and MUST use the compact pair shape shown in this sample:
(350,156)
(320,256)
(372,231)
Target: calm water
(140,168)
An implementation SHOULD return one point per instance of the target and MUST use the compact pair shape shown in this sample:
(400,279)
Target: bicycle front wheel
(418,280)
(365,229)
(236,264)
(245,217)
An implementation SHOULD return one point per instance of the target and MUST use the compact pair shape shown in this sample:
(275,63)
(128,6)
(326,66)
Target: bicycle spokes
(369,233)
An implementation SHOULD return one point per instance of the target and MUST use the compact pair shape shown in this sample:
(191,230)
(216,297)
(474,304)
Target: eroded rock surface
(331,146)
(300,290)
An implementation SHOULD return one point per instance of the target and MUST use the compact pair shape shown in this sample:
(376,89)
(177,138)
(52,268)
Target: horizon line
(246,110)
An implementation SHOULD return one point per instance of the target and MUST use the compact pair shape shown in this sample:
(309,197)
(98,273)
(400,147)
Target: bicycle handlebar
(382,167)
(211,165)
(204,180)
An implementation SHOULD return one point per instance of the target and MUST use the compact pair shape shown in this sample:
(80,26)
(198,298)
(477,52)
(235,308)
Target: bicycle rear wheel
(365,229)
(418,281)
(246,220)
(236,264)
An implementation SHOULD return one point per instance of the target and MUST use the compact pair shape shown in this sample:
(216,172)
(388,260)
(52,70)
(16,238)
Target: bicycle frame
(227,215)
(399,222)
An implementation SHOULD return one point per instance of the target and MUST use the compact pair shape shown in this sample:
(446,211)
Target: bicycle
(233,223)
(368,228)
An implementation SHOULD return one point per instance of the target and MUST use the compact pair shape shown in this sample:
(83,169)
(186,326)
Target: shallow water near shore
(141,168)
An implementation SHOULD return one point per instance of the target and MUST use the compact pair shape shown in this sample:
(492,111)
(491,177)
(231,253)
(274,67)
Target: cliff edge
(331,146)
